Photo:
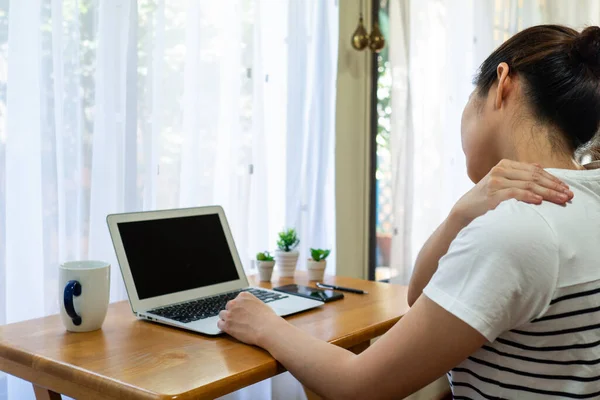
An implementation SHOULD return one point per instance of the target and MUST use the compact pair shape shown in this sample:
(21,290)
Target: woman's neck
(535,144)
(548,160)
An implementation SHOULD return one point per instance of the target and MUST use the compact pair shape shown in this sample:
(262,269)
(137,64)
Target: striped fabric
(556,356)
(527,277)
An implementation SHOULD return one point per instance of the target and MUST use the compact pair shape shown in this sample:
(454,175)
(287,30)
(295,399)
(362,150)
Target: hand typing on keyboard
(210,306)
(248,319)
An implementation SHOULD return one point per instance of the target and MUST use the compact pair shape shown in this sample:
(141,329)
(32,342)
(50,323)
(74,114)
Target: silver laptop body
(178,265)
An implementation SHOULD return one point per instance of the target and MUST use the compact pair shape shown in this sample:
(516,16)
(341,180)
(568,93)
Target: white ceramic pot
(316,269)
(286,262)
(265,270)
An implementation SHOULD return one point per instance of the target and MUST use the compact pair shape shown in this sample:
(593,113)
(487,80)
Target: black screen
(176,254)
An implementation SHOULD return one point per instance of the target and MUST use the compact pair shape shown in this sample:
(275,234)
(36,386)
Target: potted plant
(317,263)
(286,256)
(265,263)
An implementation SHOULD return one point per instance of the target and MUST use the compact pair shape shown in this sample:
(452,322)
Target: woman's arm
(507,180)
(421,347)
(466,305)
(436,246)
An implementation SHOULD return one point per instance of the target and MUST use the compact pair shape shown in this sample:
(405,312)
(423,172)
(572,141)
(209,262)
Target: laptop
(181,267)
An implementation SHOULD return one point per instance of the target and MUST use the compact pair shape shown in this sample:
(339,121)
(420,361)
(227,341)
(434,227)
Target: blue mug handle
(73,288)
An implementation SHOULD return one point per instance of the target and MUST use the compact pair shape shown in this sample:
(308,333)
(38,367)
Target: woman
(510,283)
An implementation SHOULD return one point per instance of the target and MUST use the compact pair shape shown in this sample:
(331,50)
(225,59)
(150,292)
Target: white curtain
(125,105)
(435,48)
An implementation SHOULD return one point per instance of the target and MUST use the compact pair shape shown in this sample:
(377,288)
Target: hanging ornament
(360,37)
(376,39)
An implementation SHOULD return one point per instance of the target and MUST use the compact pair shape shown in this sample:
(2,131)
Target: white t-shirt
(527,277)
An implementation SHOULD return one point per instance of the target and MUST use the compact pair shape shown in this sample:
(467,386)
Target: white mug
(83,288)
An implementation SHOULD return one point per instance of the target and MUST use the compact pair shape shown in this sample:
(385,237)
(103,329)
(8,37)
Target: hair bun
(587,46)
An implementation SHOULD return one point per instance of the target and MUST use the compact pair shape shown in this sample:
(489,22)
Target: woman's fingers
(533,172)
(223,314)
(530,177)
(553,194)
(538,191)
(523,195)
(222,322)
(540,178)
(222,325)
(545,193)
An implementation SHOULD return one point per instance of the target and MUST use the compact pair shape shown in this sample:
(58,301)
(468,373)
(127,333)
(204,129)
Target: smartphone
(323,295)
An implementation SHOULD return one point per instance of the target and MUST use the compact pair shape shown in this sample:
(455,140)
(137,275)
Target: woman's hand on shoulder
(525,182)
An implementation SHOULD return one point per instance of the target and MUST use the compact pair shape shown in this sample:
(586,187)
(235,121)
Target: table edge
(210,392)
(116,388)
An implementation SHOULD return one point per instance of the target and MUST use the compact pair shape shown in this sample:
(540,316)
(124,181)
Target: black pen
(340,288)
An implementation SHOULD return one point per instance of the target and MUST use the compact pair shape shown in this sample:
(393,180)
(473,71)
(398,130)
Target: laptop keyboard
(209,306)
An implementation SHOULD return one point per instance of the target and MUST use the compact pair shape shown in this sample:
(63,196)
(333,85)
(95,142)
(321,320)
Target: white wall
(352,145)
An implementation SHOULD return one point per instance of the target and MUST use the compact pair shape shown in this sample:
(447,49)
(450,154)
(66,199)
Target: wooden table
(133,359)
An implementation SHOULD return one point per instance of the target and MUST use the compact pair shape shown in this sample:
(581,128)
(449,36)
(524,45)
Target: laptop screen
(177,254)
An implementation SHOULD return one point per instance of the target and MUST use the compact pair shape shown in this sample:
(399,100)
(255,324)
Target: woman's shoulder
(512,224)
(569,233)
(514,238)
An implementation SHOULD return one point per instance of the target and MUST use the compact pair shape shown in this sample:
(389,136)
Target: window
(154,104)
(124,105)
(384,224)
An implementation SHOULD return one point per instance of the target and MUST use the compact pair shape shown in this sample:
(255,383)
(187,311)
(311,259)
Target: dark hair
(560,71)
